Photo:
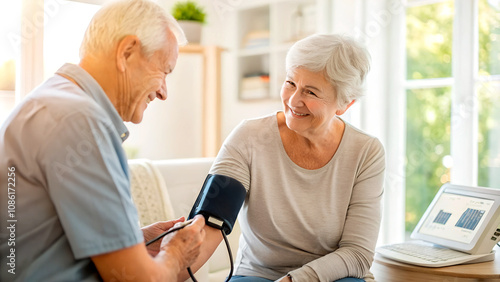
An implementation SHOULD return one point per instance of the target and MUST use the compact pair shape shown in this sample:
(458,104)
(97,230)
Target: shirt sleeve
(355,254)
(87,179)
(233,158)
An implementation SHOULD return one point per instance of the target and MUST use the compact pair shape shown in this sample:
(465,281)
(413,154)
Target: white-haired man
(70,213)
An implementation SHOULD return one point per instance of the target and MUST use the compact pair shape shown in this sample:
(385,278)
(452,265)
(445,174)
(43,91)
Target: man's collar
(90,86)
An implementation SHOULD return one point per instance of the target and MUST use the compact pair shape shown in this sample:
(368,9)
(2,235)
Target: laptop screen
(462,218)
(456,217)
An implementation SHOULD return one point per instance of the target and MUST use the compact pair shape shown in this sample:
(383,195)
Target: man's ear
(129,46)
(341,112)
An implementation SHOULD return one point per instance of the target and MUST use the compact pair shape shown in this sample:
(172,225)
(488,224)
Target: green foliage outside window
(429,31)
(489,94)
(489,37)
(427,145)
(428,47)
(429,51)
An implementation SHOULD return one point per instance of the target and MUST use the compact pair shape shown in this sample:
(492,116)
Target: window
(439,111)
(9,49)
(59,24)
(428,104)
(63,34)
(488,92)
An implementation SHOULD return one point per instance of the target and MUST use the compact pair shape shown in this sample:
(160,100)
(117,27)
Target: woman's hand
(155,229)
(285,278)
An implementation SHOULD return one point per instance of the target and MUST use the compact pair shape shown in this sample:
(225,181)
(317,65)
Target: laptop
(461,225)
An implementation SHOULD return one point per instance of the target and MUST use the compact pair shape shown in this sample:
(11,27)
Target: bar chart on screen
(470,219)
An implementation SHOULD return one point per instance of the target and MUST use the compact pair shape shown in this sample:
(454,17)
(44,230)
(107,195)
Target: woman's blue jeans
(259,279)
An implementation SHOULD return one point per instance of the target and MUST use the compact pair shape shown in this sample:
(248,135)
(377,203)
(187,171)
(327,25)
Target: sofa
(167,189)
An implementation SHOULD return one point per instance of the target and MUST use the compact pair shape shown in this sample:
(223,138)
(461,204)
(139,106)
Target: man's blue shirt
(72,190)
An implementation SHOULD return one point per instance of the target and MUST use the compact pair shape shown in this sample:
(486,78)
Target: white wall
(221,30)
(172,128)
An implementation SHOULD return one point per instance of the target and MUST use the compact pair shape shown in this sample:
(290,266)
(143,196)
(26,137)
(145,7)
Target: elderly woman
(314,182)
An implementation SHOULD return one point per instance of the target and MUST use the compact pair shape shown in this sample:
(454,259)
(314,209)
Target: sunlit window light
(9,28)
(63,34)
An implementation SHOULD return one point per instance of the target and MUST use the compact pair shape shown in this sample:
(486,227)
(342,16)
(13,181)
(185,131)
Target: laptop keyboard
(424,252)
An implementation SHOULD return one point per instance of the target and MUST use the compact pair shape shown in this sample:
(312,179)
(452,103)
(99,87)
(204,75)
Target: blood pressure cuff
(219,201)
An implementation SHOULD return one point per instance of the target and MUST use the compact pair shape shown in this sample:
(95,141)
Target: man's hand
(178,251)
(151,231)
(184,245)
(285,278)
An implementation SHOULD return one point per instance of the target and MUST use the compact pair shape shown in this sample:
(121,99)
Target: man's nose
(162,93)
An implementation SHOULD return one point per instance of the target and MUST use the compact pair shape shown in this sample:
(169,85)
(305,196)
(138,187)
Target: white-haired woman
(314,182)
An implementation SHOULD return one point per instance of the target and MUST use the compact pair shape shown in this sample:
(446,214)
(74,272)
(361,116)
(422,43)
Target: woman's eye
(290,83)
(311,93)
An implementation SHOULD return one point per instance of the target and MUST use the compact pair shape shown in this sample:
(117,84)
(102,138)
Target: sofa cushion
(149,193)
(184,179)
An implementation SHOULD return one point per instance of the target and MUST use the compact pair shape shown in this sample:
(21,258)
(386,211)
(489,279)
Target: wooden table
(386,270)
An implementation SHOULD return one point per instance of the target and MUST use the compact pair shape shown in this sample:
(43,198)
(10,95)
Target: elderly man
(67,213)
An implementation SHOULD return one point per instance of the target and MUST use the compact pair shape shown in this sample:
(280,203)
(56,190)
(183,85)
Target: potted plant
(190,17)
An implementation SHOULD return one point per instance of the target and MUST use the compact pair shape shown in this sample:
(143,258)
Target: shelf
(7,93)
(191,48)
(284,47)
(279,23)
(249,5)
(254,52)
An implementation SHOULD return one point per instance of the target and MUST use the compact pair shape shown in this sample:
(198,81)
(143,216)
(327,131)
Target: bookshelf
(265,32)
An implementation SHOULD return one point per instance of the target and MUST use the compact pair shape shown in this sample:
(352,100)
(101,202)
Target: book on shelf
(255,86)
(256,39)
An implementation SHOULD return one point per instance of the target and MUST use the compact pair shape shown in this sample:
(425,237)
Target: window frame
(31,48)
(464,96)
(464,119)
